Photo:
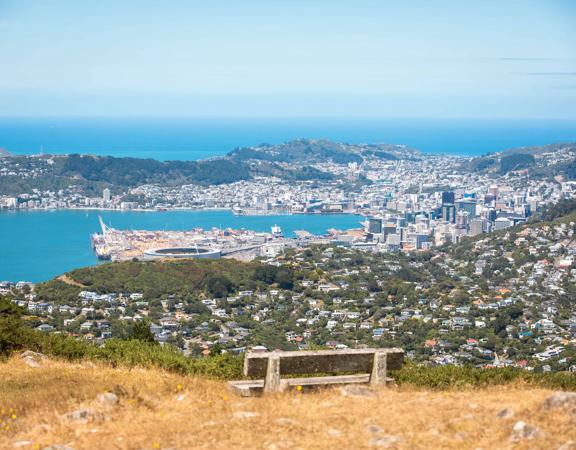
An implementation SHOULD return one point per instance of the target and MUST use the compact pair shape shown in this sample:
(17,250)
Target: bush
(141,332)
(457,377)
(134,352)
(138,351)
(14,335)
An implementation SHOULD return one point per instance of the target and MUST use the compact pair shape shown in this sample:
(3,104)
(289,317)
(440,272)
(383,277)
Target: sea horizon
(196,138)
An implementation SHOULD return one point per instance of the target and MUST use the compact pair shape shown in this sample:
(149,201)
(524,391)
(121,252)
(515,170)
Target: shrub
(141,332)
(460,377)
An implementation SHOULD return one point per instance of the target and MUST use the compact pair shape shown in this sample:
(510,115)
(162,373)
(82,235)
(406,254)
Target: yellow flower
(13,416)
(155,445)
(298,388)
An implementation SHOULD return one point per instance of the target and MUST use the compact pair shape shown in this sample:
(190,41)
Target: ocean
(199,138)
(38,245)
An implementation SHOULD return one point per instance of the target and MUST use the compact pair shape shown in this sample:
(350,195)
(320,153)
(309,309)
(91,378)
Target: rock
(505,413)
(58,447)
(35,355)
(20,444)
(107,398)
(523,431)
(288,445)
(387,441)
(460,436)
(84,415)
(374,429)
(148,402)
(569,445)
(333,432)
(89,365)
(560,400)
(286,422)
(244,414)
(31,362)
(357,391)
(33,359)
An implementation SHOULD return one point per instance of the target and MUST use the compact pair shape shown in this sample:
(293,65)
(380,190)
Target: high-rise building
(394,242)
(388,229)
(409,216)
(106,195)
(418,239)
(375,226)
(488,199)
(501,223)
(468,206)
(449,213)
(492,214)
(448,197)
(477,226)
(493,191)
(462,219)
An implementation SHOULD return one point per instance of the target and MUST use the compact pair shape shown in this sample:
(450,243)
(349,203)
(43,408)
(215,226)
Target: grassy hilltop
(63,404)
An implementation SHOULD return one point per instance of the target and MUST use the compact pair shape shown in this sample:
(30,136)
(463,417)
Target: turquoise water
(190,139)
(37,245)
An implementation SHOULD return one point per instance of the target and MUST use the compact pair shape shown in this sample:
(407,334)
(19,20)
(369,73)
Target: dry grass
(161,410)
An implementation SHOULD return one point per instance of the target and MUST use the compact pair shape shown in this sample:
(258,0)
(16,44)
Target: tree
(285,278)
(141,332)
(216,349)
(219,286)
(14,335)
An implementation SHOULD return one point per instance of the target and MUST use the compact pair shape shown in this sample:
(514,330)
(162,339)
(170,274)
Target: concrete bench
(365,365)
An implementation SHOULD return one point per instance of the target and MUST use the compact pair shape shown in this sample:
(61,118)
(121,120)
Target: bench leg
(272,382)
(378,375)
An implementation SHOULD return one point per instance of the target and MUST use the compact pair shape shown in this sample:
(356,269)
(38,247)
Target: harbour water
(38,245)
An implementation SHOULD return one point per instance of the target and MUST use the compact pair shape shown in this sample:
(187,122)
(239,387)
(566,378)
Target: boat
(277,231)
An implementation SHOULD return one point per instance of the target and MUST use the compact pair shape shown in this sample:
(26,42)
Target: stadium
(184,252)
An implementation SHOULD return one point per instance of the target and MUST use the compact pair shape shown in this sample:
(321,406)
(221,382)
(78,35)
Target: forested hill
(310,151)
(540,161)
(93,173)
(290,161)
(190,279)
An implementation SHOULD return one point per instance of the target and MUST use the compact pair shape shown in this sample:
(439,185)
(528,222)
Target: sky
(277,58)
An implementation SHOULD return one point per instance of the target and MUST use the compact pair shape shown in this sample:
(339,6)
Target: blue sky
(410,58)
